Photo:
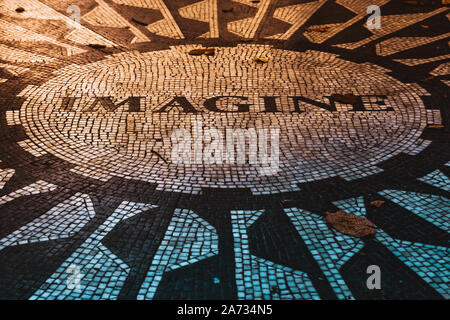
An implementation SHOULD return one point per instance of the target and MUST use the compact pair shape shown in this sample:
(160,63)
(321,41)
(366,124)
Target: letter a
(374,281)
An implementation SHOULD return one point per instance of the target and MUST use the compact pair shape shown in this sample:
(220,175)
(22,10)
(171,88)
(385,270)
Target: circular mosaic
(199,149)
(327,117)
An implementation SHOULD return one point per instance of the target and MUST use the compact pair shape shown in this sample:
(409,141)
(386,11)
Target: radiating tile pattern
(415,62)
(330,248)
(34,188)
(359,7)
(12,32)
(30,147)
(205,11)
(431,263)
(32,9)
(393,23)
(441,70)
(63,221)
(434,209)
(247,28)
(354,206)
(35,9)
(13,117)
(257,278)
(86,116)
(437,179)
(166,27)
(296,15)
(101,273)
(417,147)
(104,15)
(14,70)
(5,175)
(11,54)
(398,44)
(189,239)
(434,117)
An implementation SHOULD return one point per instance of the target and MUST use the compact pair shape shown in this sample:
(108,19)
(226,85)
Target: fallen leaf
(199,52)
(210,52)
(345,98)
(260,60)
(139,22)
(350,224)
(427,80)
(377,203)
(436,126)
(97,46)
(414,2)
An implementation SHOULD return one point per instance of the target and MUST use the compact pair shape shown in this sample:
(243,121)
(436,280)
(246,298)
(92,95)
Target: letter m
(134,104)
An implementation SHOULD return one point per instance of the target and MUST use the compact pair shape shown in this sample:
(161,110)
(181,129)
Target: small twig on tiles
(159,156)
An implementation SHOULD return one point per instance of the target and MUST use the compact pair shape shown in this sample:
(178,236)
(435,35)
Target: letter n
(318,104)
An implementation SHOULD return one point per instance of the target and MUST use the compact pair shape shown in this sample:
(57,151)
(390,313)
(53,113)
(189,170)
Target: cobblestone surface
(93,205)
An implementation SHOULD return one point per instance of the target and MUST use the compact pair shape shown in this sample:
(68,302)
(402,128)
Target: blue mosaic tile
(329,248)
(297,114)
(260,279)
(431,263)
(62,221)
(189,239)
(438,179)
(434,209)
(100,273)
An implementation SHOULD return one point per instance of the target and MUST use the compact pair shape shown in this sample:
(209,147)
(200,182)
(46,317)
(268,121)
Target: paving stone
(163,149)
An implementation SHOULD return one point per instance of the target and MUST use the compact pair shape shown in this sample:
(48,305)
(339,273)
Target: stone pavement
(95,205)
